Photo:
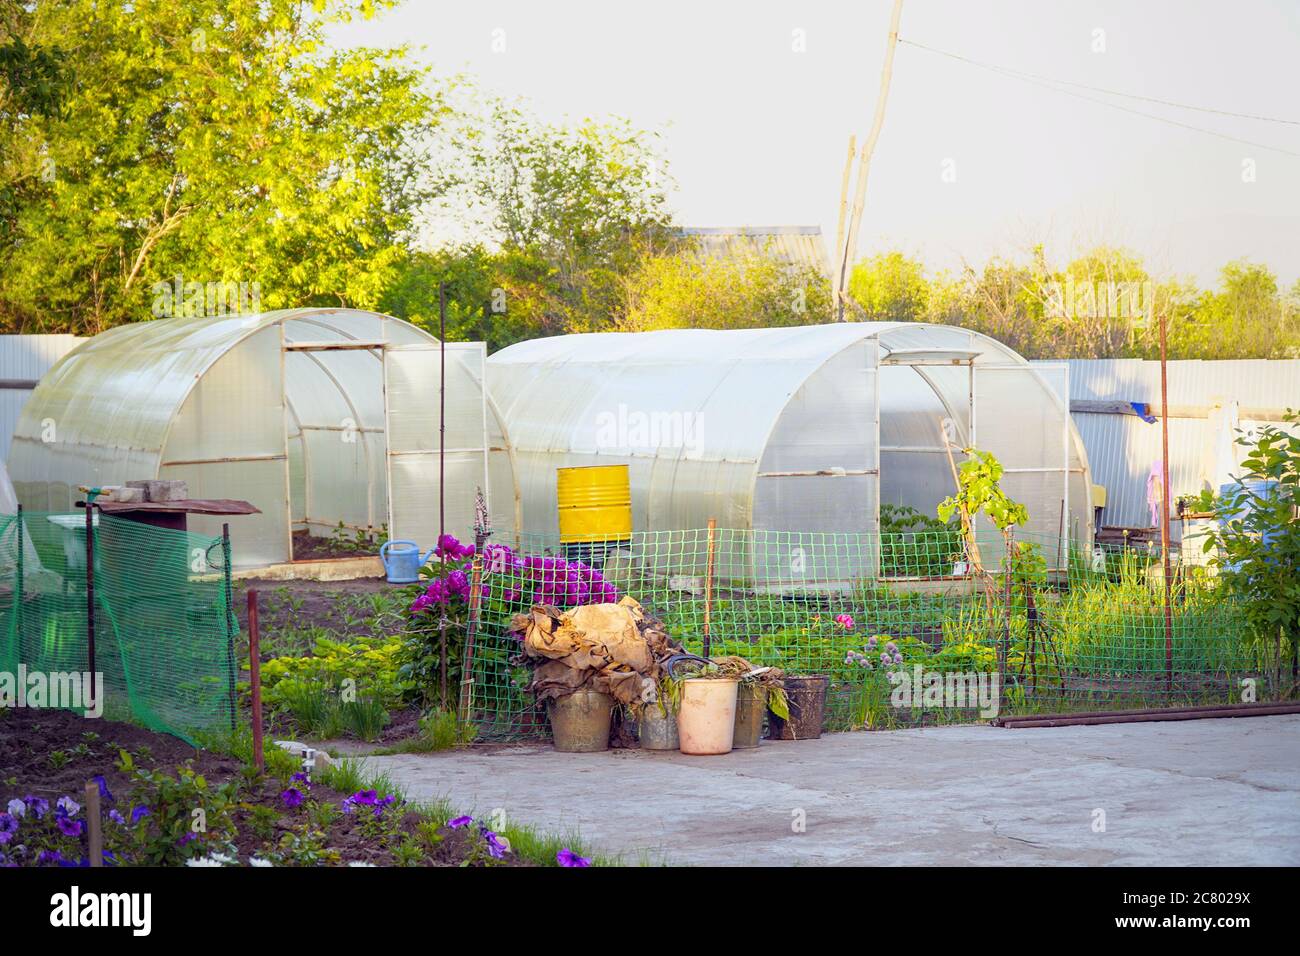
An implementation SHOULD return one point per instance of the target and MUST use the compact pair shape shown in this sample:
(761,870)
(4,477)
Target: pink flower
(845,621)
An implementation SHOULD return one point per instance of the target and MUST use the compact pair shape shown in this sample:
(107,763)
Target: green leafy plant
(1257,541)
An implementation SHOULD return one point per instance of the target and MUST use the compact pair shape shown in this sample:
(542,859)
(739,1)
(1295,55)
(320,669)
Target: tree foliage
(218,140)
(1103,304)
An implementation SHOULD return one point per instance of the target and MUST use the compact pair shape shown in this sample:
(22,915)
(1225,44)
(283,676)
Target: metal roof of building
(795,245)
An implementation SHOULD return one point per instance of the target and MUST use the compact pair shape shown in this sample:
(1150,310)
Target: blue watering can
(402,561)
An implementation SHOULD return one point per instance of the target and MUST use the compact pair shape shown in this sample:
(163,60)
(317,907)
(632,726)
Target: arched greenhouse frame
(803,429)
(319,417)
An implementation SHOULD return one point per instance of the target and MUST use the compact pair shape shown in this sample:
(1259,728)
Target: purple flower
(67,806)
(567,857)
(457,822)
(365,798)
(117,818)
(458,583)
(138,813)
(301,777)
(104,793)
(17,808)
(49,856)
(8,827)
(188,838)
(291,798)
(496,849)
(67,826)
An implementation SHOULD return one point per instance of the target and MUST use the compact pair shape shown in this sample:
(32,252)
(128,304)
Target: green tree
(33,83)
(569,210)
(220,141)
(1247,317)
(687,289)
(891,287)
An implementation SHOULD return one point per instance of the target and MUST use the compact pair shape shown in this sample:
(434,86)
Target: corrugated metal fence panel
(797,245)
(1122,448)
(25,358)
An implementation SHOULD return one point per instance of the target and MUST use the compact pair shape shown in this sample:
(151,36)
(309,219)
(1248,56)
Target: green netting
(163,631)
(1072,631)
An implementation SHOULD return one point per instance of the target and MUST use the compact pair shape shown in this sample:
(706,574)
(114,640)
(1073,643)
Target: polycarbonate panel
(256,540)
(246,379)
(419,452)
(820,468)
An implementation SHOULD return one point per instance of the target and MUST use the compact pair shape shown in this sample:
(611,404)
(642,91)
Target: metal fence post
(230,622)
(90,599)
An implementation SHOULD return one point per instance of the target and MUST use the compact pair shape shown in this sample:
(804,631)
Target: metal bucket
(751,704)
(657,730)
(807,699)
(580,721)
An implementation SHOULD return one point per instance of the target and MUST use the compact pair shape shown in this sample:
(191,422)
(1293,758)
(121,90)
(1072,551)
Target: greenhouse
(804,429)
(327,420)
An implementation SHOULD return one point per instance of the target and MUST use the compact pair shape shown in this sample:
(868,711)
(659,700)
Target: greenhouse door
(1027,427)
(412,380)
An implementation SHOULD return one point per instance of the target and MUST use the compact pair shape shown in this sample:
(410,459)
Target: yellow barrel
(595,503)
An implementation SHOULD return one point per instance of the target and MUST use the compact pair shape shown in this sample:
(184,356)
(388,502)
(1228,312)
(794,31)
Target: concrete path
(1194,792)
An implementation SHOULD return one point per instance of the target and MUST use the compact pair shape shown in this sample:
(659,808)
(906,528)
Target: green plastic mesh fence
(163,631)
(1061,630)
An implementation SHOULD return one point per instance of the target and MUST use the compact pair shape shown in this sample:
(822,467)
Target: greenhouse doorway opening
(936,403)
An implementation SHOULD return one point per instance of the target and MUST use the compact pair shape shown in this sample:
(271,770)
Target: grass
(439,730)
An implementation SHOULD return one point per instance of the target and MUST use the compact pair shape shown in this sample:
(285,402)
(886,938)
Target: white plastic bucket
(706,722)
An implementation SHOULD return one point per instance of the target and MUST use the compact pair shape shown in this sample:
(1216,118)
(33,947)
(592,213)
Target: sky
(756,101)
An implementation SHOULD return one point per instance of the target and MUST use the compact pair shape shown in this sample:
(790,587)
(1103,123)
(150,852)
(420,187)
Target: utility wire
(1101,89)
(1048,83)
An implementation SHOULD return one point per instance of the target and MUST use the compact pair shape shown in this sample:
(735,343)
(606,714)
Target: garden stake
(255,677)
(482,531)
(708,584)
(94,828)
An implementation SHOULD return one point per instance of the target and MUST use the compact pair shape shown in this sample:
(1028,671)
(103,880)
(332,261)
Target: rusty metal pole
(708,584)
(1164,506)
(255,676)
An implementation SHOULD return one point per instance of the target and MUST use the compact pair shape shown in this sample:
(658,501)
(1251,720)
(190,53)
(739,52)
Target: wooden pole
(708,583)
(868,147)
(1164,505)
(94,824)
(255,676)
(837,293)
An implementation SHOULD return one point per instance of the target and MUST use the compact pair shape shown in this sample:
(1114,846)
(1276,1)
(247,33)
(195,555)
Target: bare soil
(28,737)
